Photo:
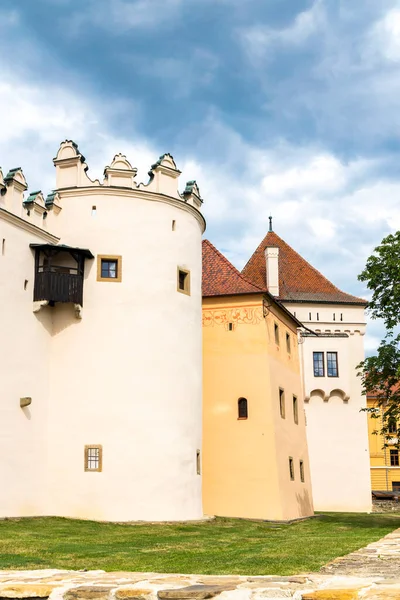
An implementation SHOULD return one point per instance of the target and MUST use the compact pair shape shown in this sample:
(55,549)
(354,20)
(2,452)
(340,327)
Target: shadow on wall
(57,318)
(305,504)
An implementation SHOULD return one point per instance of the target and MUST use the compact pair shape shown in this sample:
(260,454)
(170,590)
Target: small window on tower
(198,462)
(288,348)
(295,410)
(109,268)
(302,471)
(93,458)
(276,333)
(291,468)
(282,402)
(242,408)
(183,281)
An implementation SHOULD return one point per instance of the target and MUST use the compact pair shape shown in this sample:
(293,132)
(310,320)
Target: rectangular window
(392,425)
(93,458)
(318,360)
(332,364)
(295,410)
(282,402)
(301,471)
(396,486)
(109,268)
(288,348)
(291,468)
(230,326)
(183,281)
(276,333)
(394,458)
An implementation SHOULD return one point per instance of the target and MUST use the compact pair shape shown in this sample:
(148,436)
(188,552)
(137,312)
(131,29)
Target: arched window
(242,408)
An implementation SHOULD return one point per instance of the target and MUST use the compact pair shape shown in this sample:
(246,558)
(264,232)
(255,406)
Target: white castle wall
(336,429)
(24,368)
(127,375)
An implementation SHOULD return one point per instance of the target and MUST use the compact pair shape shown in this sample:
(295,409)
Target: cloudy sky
(289,107)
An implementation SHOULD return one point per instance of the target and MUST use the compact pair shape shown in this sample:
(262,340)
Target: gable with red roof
(298,280)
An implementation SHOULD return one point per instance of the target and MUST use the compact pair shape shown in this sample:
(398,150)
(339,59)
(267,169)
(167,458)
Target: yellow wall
(382,473)
(246,462)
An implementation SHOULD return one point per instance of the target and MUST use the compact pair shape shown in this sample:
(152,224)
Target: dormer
(70,167)
(191,194)
(163,177)
(35,208)
(120,173)
(53,202)
(16,185)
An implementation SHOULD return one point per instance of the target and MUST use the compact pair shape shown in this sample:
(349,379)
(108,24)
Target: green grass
(221,546)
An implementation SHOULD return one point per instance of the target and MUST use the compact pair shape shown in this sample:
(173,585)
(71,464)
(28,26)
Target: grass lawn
(221,546)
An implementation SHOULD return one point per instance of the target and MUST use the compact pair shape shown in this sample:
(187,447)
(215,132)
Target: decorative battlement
(71,174)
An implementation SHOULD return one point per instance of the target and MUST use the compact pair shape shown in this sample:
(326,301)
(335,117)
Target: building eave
(30,227)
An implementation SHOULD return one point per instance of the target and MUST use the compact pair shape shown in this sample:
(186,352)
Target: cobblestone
(372,573)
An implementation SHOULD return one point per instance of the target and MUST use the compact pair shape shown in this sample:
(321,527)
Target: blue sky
(287,107)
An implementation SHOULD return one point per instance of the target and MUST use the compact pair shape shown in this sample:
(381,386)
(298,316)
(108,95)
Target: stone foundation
(385,506)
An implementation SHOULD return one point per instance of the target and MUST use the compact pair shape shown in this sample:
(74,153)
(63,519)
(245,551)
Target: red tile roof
(220,277)
(298,280)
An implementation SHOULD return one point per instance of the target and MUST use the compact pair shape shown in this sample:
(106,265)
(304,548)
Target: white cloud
(261,39)
(39,118)
(385,36)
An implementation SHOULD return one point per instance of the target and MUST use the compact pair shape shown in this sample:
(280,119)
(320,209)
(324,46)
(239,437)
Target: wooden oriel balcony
(56,278)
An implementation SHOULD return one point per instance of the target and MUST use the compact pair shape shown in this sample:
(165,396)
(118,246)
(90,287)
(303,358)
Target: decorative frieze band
(246,315)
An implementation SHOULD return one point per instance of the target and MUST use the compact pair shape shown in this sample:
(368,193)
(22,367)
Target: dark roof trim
(283,308)
(62,248)
(309,301)
(310,333)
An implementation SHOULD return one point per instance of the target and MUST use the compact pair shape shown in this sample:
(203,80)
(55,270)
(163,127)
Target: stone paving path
(381,558)
(372,573)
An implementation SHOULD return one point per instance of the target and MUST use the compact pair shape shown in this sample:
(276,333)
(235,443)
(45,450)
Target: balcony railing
(56,286)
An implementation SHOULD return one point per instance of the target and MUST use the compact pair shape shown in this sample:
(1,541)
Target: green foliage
(382,275)
(380,373)
(380,379)
(221,546)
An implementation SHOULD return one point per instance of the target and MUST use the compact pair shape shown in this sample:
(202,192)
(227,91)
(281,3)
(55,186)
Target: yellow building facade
(385,463)
(255,457)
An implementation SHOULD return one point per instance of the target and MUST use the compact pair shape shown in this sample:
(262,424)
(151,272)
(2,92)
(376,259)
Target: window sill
(242,418)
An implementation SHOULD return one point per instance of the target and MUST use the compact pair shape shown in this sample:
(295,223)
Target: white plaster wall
(128,374)
(336,429)
(24,367)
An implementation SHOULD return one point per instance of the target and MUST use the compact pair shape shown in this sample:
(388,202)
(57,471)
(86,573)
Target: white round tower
(124,424)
